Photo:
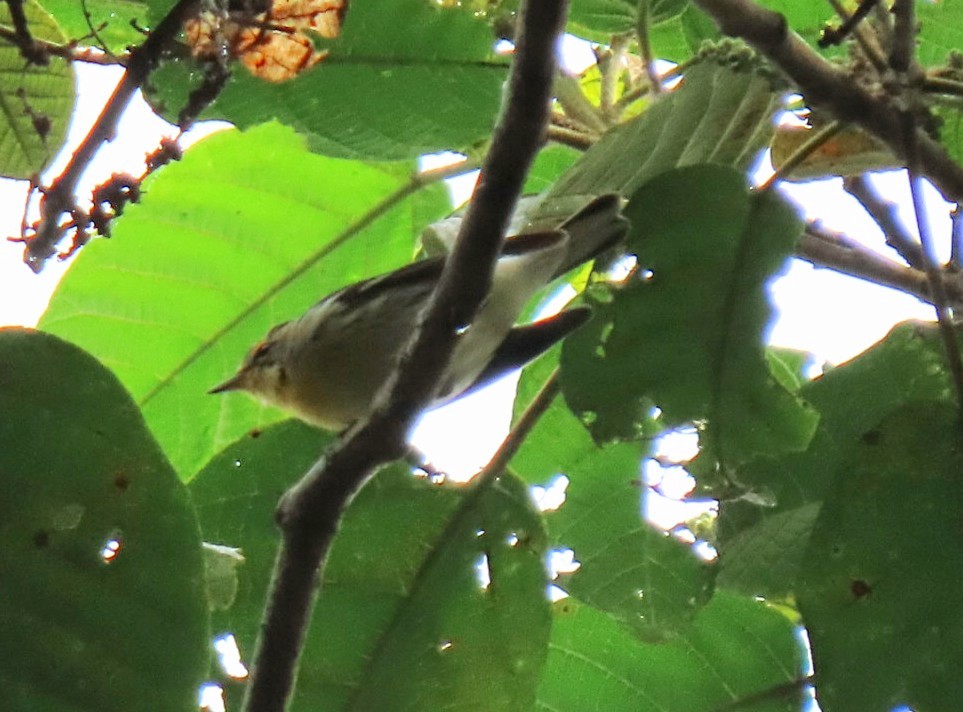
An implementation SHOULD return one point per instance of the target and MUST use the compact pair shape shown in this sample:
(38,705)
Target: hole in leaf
(562,561)
(210,698)
(552,496)
(111,547)
(229,657)
(483,574)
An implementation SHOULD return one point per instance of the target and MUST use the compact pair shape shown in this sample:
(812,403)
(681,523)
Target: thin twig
(956,238)
(58,198)
(309,514)
(944,315)
(571,138)
(902,60)
(885,214)
(942,85)
(831,250)
(516,436)
(850,25)
(70,51)
(866,39)
(645,49)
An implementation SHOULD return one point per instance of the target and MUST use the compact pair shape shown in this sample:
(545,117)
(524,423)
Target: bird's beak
(234,383)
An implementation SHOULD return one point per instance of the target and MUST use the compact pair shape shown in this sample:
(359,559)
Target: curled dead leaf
(275,45)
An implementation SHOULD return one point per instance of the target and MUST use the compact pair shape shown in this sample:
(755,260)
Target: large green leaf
(102,600)
(405,78)
(738,655)
(879,589)
(762,536)
(689,334)
(224,245)
(36,100)
(721,114)
(403,620)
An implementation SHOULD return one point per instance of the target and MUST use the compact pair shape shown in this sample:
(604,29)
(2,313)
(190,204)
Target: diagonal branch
(830,86)
(58,199)
(884,213)
(309,514)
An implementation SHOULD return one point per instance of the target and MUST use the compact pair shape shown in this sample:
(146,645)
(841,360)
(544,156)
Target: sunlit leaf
(225,245)
(37,99)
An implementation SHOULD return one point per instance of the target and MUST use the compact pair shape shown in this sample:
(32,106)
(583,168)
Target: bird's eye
(259,351)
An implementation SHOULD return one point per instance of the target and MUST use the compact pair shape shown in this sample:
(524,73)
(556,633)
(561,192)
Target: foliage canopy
(836,512)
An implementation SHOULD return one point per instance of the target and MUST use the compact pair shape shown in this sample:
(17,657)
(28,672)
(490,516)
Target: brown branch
(70,51)
(866,39)
(830,86)
(956,239)
(834,36)
(903,61)
(570,137)
(884,213)
(528,420)
(645,49)
(823,248)
(58,199)
(310,512)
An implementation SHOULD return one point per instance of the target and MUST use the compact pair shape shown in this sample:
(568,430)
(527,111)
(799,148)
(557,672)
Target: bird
(327,366)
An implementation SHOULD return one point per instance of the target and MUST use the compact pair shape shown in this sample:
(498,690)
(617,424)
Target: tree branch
(885,214)
(310,512)
(59,199)
(830,86)
(823,248)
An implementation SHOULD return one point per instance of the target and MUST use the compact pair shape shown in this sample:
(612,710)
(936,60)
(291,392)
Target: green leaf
(600,19)
(764,560)
(550,163)
(739,654)
(690,336)
(879,589)
(402,621)
(37,100)
(405,78)
(783,494)
(78,470)
(788,366)
(115,21)
(224,245)
(941,31)
(719,115)
(648,580)
(807,18)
